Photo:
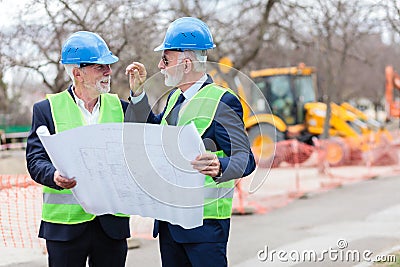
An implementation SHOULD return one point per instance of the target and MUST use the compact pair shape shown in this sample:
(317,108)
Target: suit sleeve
(141,112)
(124,105)
(230,136)
(38,162)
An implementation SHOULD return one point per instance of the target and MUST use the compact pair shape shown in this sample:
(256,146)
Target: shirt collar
(80,102)
(192,90)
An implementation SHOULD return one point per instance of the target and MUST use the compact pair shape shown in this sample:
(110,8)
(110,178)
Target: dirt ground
(13,162)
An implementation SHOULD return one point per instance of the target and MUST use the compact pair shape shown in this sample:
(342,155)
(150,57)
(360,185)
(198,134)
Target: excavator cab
(286,95)
(287,90)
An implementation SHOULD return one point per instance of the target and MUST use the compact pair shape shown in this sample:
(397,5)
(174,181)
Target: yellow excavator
(282,105)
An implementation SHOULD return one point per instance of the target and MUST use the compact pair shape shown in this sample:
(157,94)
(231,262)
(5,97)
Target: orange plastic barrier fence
(20,214)
(21,198)
(9,146)
(20,211)
(289,152)
(298,169)
(375,149)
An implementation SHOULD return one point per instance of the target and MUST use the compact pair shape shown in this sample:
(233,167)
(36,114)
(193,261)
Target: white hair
(68,69)
(198,57)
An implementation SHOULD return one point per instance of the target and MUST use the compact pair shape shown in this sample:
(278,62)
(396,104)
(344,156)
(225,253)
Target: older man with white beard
(74,237)
(217,114)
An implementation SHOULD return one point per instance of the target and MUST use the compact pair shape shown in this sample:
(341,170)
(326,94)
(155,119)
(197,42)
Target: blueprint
(132,168)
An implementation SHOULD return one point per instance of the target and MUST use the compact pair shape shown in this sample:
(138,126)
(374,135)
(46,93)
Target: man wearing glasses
(73,236)
(217,114)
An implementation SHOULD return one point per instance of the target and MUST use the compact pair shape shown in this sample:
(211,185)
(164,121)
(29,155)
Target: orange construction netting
(20,211)
(297,169)
(20,214)
(368,150)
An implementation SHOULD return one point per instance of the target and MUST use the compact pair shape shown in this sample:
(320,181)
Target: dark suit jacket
(42,171)
(226,133)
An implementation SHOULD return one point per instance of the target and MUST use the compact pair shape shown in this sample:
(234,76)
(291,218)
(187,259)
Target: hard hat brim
(162,48)
(159,48)
(109,59)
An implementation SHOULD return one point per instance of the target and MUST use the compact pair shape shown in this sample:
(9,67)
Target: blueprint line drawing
(132,168)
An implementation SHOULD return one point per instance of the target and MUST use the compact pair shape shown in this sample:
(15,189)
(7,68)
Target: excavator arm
(392,85)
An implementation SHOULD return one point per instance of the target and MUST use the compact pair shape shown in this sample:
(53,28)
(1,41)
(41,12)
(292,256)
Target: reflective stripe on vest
(218,192)
(200,110)
(60,206)
(50,198)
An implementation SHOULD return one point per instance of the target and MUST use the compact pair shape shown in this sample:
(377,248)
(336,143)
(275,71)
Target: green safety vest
(201,110)
(60,206)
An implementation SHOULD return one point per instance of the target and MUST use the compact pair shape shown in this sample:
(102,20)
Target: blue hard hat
(187,33)
(86,47)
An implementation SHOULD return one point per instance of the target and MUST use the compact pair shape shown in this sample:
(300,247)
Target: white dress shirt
(90,117)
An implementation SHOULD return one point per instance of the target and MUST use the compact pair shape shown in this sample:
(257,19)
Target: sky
(8,9)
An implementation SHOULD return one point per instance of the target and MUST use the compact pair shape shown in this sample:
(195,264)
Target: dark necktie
(172,118)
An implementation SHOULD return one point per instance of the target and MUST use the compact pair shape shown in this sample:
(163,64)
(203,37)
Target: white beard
(172,80)
(104,88)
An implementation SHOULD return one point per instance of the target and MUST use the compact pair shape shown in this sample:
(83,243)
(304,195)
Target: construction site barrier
(298,170)
(11,146)
(20,211)
(20,214)
(373,149)
(302,170)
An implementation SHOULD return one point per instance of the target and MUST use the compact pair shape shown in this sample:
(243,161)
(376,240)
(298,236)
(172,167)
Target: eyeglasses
(165,60)
(82,65)
(98,67)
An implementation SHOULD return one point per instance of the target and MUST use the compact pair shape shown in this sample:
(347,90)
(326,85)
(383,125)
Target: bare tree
(392,8)
(3,86)
(330,34)
(44,25)
(239,34)
(337,27)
